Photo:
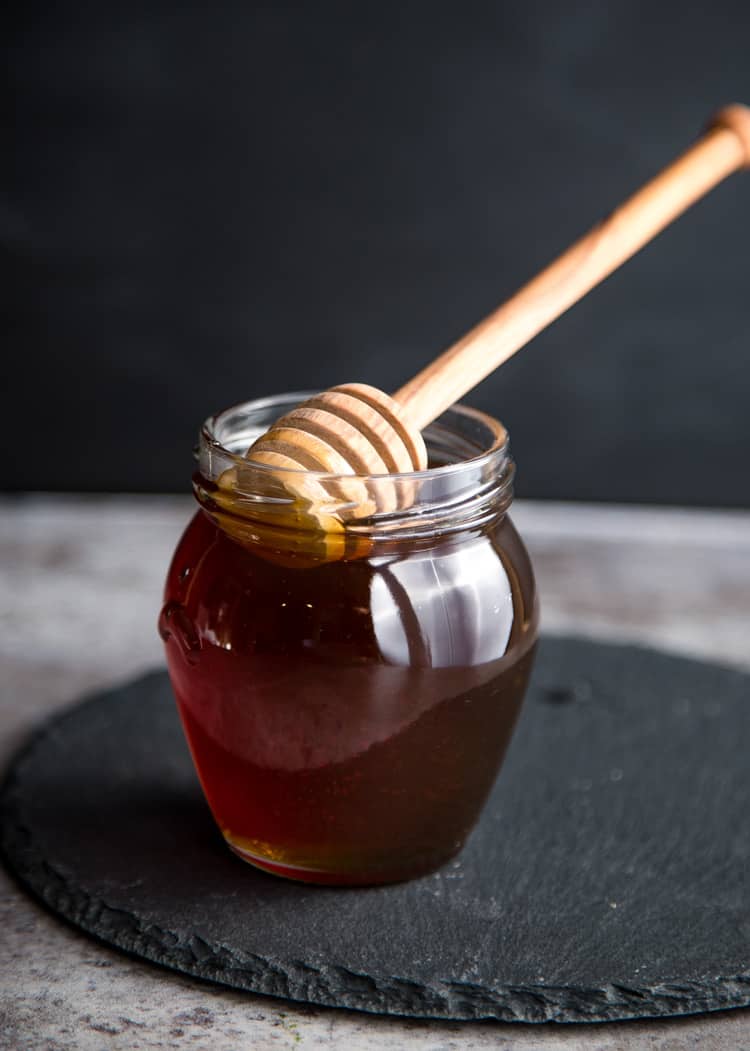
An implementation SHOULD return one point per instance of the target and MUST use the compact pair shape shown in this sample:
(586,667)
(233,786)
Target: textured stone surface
(80,581)
(608,878)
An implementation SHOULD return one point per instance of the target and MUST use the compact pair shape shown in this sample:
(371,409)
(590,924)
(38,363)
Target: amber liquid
(347,720)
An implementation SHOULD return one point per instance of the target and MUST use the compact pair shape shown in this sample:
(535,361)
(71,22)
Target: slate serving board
(607,879)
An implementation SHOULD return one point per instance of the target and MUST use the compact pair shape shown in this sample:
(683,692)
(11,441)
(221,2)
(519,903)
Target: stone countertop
(80,584)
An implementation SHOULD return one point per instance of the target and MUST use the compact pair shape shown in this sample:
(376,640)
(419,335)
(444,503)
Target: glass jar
(349,680)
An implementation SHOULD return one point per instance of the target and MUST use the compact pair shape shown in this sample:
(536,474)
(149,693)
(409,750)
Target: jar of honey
(349,655)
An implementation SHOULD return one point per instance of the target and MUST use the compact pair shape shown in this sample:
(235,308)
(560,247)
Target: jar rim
(494,455)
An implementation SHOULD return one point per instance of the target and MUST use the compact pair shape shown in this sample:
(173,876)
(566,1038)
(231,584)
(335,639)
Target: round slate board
(607,879)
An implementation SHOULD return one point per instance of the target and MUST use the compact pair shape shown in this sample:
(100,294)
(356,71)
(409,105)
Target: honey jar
(349,655)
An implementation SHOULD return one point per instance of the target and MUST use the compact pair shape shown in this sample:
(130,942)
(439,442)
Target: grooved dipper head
(351,429)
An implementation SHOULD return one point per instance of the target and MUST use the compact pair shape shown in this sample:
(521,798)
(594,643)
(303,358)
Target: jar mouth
(466,439)
(468,484)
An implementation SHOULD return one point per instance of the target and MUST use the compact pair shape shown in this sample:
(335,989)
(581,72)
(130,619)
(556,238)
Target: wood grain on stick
(722,150)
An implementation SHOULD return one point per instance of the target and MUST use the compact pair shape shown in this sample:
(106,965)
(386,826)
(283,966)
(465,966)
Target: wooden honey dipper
(357,429)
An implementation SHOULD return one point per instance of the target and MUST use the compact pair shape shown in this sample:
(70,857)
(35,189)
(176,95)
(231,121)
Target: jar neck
(468,485)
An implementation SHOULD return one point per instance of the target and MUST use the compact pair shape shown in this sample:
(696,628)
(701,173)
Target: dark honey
(348,718)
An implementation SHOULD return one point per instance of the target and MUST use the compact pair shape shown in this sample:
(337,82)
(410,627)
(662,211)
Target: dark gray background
(204,203)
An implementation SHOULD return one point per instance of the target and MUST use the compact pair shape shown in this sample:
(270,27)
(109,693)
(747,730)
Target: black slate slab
(607,879)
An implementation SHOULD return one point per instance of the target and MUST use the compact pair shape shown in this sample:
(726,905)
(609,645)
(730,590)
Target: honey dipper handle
(723,149)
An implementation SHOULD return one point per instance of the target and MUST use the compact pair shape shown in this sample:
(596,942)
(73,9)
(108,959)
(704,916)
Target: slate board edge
(332,986)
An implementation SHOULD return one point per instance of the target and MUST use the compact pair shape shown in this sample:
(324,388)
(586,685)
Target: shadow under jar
(349,680)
